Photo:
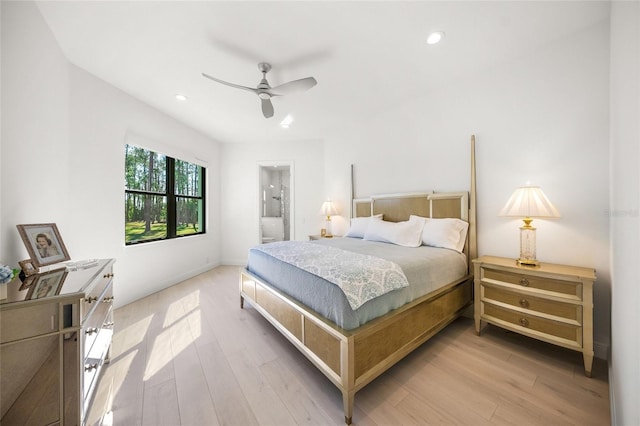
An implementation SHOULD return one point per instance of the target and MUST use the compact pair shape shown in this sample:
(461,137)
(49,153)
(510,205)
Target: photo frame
(44,243)
(47,284)
(27,267)
(28,282)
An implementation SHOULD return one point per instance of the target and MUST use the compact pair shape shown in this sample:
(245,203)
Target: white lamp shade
(328,209)
(529,201)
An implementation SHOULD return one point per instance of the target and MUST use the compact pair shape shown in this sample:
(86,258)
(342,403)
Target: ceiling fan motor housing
(264,67)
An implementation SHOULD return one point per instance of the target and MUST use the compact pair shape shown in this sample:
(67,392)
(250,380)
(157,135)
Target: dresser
(550,302)
(55,336)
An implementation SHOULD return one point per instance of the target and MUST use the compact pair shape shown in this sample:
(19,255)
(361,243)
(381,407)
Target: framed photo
(47,284)
(44,244)
(27,267)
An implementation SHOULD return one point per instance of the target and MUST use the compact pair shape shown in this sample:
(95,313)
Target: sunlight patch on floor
(182,326)
(159,355)
(110,384)
(134,334)
(180,307)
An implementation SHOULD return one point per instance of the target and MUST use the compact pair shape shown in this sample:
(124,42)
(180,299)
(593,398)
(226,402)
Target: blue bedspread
(361,277)
(426,269)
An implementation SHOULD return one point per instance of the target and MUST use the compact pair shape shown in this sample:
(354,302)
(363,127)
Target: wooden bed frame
(353,358)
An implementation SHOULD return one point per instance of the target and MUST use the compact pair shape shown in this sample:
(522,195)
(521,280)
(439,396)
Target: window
(164,196)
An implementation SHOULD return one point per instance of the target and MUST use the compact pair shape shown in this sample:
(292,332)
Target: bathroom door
(275,189)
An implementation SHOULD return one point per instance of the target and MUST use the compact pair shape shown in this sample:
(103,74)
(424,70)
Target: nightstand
(319,237)
(552,303)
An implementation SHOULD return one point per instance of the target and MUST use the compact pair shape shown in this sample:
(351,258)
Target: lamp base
(528,262)
(527,245)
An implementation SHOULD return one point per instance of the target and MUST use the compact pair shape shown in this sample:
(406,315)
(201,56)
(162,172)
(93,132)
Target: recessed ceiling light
(286,122)
(435,37)
(181,97)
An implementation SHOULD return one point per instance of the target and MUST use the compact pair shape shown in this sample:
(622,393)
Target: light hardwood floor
(190,356)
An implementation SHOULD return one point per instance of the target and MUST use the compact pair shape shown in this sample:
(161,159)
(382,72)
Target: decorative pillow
(407,234)
(447,233)
(359,226)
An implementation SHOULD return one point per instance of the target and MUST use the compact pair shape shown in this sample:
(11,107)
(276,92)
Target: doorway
(275,188)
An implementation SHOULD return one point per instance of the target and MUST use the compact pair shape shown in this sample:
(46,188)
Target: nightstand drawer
(560,287)
(547,307)
(530,322)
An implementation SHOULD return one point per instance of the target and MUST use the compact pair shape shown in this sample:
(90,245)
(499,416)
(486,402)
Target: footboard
(353,358)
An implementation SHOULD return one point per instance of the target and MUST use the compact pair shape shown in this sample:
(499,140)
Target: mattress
(426,269)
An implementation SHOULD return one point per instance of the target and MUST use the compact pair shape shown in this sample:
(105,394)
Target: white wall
(63,133)
(35,128)
(103,119)
(541,118)
(240,208)
(624,374)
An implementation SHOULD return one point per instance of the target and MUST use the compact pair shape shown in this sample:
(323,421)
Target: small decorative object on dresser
(27,267)
(552,303)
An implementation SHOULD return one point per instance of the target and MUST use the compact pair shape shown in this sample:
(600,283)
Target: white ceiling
(366,56)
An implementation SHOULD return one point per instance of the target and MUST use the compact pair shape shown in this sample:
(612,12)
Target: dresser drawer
(559,287)
(31,321)
(94,295)
(567,311)
(524,321)
(94,361)
(101,318)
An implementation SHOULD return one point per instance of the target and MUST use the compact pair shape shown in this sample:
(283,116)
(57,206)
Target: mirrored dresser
(55,335)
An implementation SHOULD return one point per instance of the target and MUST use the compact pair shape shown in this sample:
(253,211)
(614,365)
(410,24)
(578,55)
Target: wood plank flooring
(190,356)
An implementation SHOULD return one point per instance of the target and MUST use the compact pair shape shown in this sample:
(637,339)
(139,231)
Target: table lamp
(529,202)
(328,210)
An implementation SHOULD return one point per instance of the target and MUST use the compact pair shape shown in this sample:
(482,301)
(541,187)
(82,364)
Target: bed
(352,351)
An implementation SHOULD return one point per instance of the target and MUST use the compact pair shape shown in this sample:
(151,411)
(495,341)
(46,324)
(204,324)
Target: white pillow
(448,233)
(359,226)
(407,234)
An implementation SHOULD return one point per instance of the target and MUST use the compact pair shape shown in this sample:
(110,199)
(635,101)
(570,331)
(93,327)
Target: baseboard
(234,262)
(601,350)
(166,283)
(188,274)
(612,397)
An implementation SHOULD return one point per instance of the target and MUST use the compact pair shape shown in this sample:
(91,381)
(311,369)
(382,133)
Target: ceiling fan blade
(267,108)
(293,86)
(237,86)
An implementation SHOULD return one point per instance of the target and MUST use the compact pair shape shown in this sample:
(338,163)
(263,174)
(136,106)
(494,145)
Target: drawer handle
(109,275)
(107,299)
(89,331)
(91,299)
(524,322)
(108,324)
(91,367)
(524,303)
(524,282)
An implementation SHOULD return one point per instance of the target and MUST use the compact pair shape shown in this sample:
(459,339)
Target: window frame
(171,199)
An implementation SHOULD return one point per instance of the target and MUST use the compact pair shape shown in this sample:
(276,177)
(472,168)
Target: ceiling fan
(265,92)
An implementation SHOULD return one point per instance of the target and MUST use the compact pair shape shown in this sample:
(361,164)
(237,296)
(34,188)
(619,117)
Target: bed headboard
(398,207)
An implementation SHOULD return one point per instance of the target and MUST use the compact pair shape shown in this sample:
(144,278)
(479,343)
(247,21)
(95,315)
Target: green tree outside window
(164,196)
